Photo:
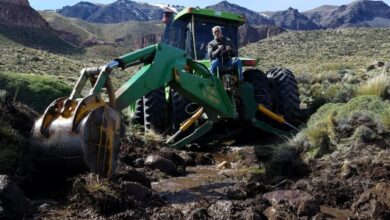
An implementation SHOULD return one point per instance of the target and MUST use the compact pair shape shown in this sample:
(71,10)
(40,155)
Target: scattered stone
(128,173)
(380,63)
(199,213)
(43,207)
(223,165)
(189,158)
(139,162)
(135,192)
(14,203)
(294,198)
(162,164)
(205,159)
(364,134)
(370,67)
(336,213)
(347,170)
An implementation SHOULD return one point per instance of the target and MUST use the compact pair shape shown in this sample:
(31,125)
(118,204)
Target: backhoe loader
(78,131)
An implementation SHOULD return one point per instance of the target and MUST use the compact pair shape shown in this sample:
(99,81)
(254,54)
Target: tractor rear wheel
(286,93)
(262,89)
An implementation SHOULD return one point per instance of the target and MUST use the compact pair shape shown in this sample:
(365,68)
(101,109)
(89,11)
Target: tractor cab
(190,30)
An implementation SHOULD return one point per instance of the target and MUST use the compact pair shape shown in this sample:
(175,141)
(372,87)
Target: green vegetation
(363,119)
(36,91)
(379,86)
(322,51)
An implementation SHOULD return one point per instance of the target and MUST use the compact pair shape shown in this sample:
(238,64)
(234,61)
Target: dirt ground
(227,181)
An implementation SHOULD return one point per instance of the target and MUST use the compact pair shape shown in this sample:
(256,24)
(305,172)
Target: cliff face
(19,13)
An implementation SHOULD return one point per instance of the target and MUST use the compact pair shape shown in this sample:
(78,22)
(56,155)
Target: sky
(255,5)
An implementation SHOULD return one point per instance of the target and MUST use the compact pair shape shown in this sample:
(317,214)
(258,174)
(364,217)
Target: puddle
(201,181)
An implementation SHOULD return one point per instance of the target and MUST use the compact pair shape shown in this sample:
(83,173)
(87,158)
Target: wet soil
(228,181)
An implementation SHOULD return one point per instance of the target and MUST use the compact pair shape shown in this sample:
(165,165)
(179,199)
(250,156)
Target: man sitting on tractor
(221,52)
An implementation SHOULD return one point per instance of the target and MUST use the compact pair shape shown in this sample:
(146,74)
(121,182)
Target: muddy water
(202,182)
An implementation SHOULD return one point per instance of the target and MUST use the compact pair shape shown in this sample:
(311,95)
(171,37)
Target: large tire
(182,109)
(261,89)
(286,92)
(155,111)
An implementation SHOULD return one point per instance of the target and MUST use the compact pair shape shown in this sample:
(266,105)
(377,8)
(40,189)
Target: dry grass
(378,86)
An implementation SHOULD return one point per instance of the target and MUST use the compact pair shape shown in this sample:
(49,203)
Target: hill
(130,35)
(322,50)
(22,24)
(360,13)
(293,20)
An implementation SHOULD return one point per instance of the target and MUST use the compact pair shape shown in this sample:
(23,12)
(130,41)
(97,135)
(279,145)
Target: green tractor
(173,90)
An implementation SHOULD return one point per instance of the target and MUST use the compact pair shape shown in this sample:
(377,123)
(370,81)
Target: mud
(244,181)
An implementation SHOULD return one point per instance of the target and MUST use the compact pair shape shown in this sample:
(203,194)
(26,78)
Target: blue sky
(255,5)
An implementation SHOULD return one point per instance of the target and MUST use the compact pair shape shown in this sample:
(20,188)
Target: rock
(139,162)
(135,192)
(294,198)
(278,212)
(44,207)
(127,173)
(205,159)
(234,210)
(347,170)
(200,213)
(189,158)
(370,67)
(223,165)
(336,213)
(162,164)
(364,134)
(13,201)
(380,63)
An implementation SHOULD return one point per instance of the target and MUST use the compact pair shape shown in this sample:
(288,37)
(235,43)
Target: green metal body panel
(231,17)
(207,63)
(168,68)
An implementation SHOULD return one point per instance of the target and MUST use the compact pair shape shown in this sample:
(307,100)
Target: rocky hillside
(251,17)
(130,34)
(82,10)
(116,12)
(293,20)
(361,13)
(250,33)
(19,13)
(22,24)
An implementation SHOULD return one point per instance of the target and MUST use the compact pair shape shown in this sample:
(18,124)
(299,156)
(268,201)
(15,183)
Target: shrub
(333,123)
(379,86)
(36,91)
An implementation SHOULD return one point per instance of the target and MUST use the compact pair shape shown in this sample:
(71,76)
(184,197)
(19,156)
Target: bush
(379,86)
(33,90)
(334,123)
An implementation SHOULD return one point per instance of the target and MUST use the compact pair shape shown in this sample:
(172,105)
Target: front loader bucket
(74,135)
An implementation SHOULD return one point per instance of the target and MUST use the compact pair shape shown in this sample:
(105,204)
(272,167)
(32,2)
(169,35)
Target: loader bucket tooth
(100,140)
